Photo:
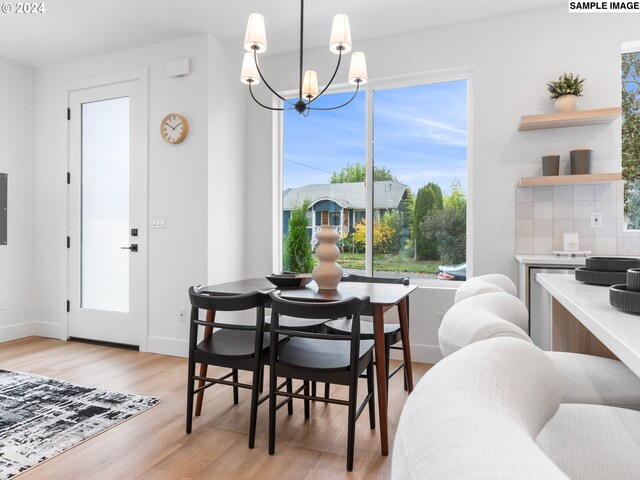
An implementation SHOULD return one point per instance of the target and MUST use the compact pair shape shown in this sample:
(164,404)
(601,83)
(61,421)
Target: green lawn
(389,263)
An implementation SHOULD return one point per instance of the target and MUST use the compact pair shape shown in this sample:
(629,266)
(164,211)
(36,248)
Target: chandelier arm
(330,81)
(263,105)
(255,58)
(339,106)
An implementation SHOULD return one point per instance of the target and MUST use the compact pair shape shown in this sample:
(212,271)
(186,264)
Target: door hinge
(68,242)
(68,114)
(68,306)
(68,178)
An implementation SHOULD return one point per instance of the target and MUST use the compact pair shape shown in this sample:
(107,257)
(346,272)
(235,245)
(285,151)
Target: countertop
(618,330)
(550,260)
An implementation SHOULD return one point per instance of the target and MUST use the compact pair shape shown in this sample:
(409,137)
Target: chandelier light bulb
(249,73)
(358,69)
(255,37)
(310,85)
(340,40)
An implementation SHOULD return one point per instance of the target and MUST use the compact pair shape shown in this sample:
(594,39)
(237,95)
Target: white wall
(178,182)
(511,59)
(17,160)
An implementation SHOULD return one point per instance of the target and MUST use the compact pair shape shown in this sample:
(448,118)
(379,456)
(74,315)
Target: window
(631,138)
(419,176)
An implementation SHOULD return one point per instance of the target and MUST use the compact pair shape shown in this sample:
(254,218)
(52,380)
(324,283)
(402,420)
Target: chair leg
(272,409)
(235,389)
(290,402)
(372,402)
(261,379)
(404,375)
(314,389)
(306,402)
(255,387)
(190,389)
(351,422)
(327,390)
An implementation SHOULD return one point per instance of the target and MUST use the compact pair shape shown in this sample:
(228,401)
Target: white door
(107,251)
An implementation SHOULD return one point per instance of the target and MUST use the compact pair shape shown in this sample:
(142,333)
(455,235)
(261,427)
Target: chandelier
(255,42)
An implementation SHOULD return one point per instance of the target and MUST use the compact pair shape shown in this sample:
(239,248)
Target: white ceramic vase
(566,103)
(327,273)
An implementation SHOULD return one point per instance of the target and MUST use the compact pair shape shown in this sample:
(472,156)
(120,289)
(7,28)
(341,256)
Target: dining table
(382,297)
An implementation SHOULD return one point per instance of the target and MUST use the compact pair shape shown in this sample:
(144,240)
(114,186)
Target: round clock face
(174,128)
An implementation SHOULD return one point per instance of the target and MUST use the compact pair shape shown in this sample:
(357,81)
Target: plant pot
(327,274)
(550,165)
(566,103)
(581,161)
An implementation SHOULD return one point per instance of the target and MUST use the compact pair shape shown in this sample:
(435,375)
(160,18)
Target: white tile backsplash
(563,193)
(583,209)
(544,214)
(605,191)
(605,246)
(542,210)
(542,194)
(583,192)
(608,208)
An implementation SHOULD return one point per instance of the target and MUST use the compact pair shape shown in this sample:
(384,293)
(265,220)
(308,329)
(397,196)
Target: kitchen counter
(544,260)
(589,304)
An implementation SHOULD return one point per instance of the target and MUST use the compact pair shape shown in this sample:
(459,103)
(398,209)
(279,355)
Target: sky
(419,135)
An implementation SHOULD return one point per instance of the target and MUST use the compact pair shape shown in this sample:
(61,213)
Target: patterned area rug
(41,417)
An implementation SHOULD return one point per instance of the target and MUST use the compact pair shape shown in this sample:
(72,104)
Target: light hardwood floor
(154,445)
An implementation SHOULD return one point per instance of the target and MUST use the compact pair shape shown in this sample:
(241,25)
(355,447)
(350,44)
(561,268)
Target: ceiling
(73,29)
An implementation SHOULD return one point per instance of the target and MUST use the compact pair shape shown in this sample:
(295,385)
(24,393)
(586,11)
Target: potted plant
(565,91)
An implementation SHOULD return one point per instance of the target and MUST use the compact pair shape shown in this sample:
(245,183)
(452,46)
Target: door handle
(133,247)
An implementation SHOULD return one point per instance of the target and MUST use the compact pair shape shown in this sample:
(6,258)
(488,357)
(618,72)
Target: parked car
(452,272)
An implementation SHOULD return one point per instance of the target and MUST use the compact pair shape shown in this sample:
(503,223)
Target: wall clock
(174,128)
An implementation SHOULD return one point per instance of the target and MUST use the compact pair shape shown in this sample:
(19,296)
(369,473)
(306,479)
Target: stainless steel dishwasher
(540,307)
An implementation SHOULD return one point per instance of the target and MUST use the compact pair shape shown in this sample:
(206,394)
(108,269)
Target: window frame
(369,88)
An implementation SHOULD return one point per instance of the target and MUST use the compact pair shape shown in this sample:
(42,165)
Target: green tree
(297,247)
(358,173)
(631,136)
(391,223)
(447,227)
(428,198)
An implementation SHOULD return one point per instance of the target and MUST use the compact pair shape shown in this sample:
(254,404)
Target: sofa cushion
(596,380)
(476,415)
(491,315)
(593,442)
(493,282)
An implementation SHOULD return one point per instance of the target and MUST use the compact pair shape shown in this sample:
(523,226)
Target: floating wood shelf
(568,179)
(571,119)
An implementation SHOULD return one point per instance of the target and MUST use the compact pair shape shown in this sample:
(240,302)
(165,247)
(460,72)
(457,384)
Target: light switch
(158,221)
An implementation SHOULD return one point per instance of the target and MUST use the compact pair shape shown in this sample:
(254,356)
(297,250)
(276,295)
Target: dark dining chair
(320,357)
(238,347)
(392,331)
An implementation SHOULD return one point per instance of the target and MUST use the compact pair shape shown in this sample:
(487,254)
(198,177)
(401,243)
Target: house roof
(386,195)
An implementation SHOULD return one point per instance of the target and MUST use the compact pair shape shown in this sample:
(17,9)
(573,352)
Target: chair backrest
(350,307)
(352,277)
(496,314)
(227,303)
(494,282)
(476,414)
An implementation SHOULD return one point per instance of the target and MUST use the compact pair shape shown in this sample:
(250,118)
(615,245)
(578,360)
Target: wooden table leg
(211,315)
(381,376)
(406,346)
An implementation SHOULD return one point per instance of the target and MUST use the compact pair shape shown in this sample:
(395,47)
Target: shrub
(447,228)
(428,198)
(297,247)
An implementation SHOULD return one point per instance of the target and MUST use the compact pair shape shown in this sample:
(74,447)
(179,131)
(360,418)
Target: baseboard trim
(49,330)
(16,331)
(168,346)
(420,354)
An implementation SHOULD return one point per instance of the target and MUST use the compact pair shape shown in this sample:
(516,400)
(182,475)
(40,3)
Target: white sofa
(493,411)
(585,378)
